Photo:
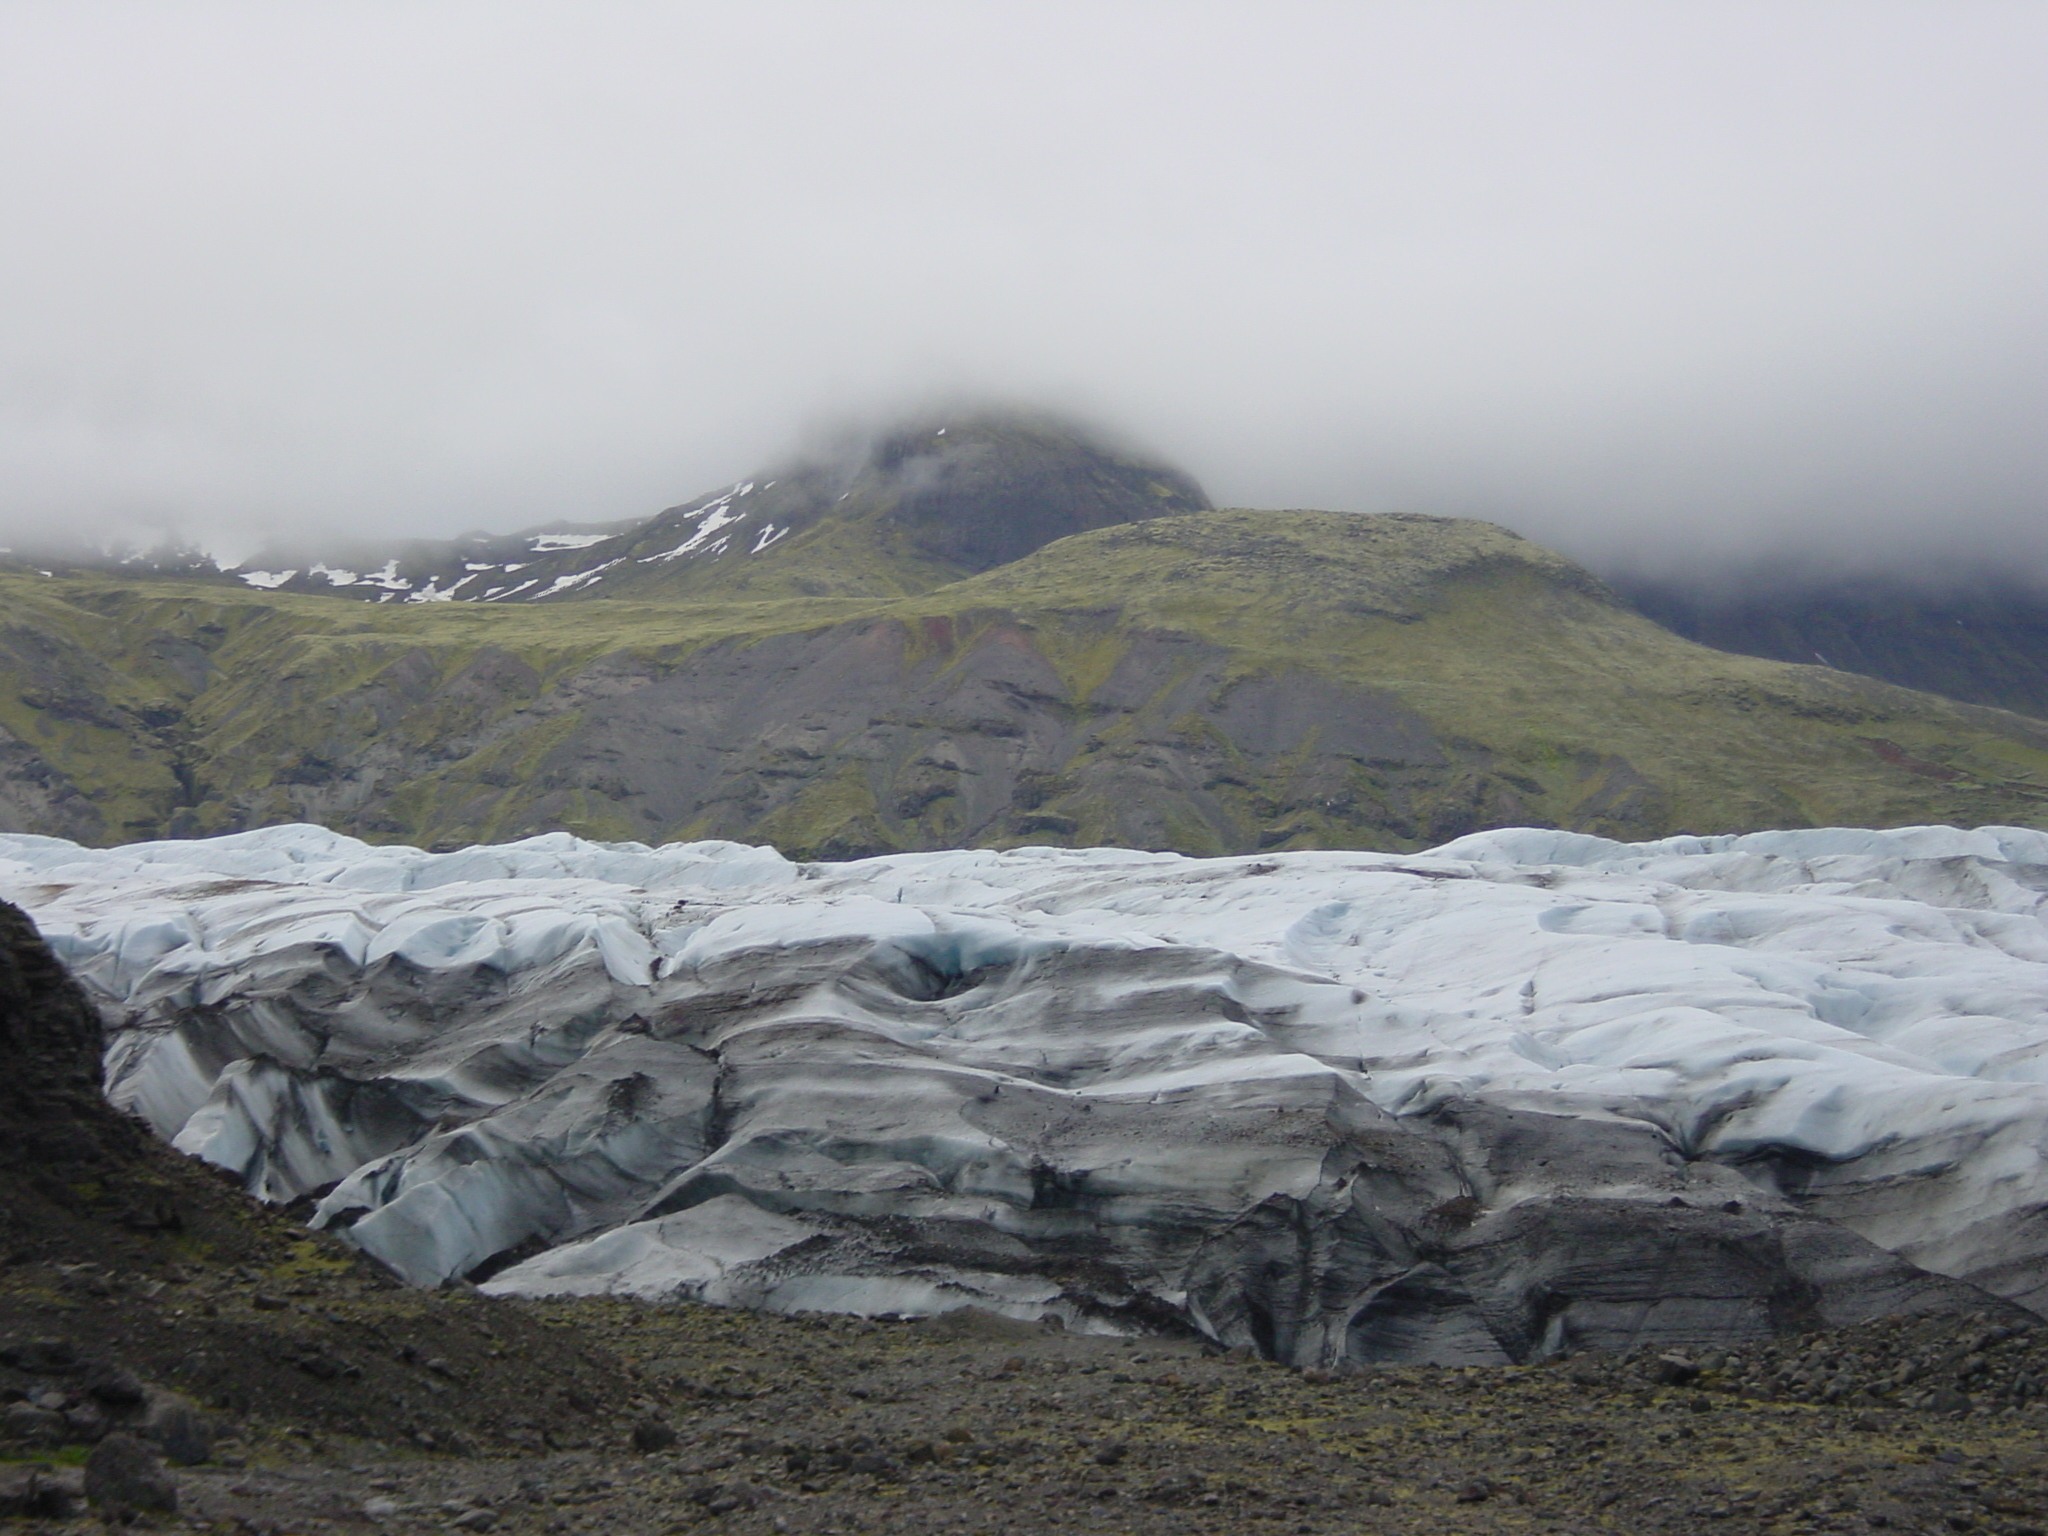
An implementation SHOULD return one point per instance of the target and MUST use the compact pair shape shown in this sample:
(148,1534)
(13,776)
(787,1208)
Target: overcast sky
(1685,281)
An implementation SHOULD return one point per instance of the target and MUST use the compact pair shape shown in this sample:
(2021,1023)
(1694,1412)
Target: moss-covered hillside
(1210,682)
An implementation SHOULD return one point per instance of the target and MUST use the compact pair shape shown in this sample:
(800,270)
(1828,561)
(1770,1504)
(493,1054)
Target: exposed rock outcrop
(50,1047)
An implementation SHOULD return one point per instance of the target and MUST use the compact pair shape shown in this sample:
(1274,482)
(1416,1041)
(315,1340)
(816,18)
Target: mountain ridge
(918,505)
(1981,638)
(1213,682)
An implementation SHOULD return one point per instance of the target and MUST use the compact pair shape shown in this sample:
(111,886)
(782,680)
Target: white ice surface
(1871,1006)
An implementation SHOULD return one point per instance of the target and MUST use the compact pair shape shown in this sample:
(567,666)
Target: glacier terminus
(1526,1092)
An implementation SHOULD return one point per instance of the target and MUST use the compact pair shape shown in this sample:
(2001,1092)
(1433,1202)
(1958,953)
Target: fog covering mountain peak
(879,511)
(1529,1091)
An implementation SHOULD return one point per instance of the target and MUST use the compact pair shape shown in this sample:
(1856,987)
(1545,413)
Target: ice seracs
(1526,1091)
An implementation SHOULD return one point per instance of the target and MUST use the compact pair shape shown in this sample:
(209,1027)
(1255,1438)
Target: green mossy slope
(1581,703)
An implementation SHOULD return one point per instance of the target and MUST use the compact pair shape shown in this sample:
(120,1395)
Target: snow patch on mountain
(577,578)
(1527,1091)
(709,519)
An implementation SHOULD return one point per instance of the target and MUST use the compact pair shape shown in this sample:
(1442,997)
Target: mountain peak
(881,513)
(891,512)
(983,489)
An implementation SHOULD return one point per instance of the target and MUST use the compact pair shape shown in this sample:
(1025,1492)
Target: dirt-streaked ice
(1528,1090)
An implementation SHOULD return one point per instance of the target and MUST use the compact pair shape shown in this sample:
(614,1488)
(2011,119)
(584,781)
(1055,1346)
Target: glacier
(1526,1092)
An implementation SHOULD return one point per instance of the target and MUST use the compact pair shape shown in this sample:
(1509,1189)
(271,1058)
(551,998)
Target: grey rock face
(1984,639)
(44,1357)
(984,738)
(651,1435)
(956,493)
(979,493)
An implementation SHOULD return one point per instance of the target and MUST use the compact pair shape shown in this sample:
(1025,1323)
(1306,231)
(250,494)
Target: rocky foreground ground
(334,1401)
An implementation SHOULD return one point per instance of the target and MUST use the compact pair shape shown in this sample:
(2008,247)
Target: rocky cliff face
(911,509)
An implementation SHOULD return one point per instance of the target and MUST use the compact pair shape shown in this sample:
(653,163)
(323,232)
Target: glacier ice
(1527,1091)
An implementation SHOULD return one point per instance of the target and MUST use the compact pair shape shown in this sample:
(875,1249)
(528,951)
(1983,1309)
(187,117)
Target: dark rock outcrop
(51,1113)
(985,490)
(30,1493)
(125,1274)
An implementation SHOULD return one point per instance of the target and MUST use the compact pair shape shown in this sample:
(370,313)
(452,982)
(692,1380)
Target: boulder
(124,1476)
(27,1424)
(114,1385)
(180,1431)
(30,1493)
